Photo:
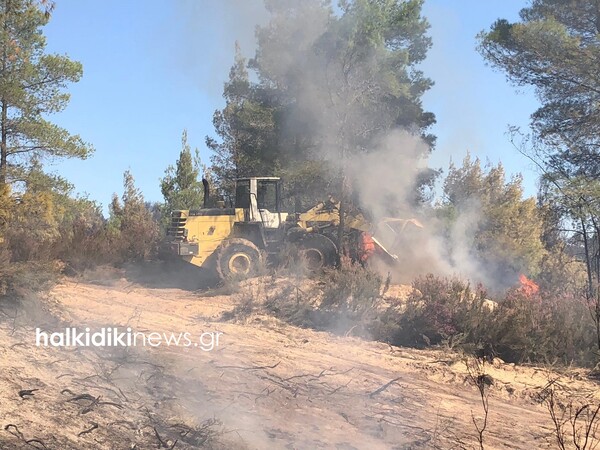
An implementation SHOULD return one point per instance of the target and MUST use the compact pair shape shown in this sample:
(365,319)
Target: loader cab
(260,198)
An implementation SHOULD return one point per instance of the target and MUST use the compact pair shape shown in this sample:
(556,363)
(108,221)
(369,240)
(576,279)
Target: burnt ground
(267,385)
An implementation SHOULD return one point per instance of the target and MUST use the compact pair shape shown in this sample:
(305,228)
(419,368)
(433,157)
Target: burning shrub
(542,327)
(526,325)
(528,287)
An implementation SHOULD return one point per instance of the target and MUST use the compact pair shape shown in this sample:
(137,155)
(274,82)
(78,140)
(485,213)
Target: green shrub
(543,328)
(441,310)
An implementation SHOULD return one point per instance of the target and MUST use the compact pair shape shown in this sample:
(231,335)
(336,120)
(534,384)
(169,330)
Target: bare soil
(268,385)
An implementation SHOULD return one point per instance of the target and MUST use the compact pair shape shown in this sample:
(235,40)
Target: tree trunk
(3,144)
(588,263)
(342,224)
(4,106)
(597,251)
(593,297)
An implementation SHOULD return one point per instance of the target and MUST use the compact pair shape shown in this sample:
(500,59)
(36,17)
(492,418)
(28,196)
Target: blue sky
(155,67)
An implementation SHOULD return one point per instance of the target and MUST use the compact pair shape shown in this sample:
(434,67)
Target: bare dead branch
(82,397)
(249,368)
(16,431)
(130,424)
(384,387)
(35,441)
(89,430)
(64,375)
(163,444)
(24,393)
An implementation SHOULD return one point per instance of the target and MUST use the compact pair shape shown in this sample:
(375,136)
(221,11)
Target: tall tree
(32,86)
(555,47)
(351,77)
(330,85)
(181,187)
(490,225)
(245,129)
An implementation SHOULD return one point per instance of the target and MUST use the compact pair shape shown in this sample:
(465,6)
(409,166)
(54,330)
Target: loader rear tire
(318,252)
(238,258)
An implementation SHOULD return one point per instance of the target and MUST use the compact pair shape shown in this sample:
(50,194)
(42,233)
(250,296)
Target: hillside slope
(266,385)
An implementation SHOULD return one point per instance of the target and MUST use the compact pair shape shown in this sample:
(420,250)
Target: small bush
(440,310)
(17,280)
(352,288)
(543,328)
(295,307)
(345,301)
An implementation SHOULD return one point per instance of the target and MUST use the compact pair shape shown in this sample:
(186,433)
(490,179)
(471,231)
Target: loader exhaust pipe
(206,192)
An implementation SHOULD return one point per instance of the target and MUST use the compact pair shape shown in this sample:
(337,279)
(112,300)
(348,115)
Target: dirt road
(266,385)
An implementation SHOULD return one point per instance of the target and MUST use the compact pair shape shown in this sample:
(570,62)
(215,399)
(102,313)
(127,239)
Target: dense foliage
(555,49)
(325,87)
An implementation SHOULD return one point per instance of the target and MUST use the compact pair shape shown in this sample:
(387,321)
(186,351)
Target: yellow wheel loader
(237,240)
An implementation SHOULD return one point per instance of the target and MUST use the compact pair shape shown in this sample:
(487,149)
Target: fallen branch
(90,407)
(346,418)
(102,387)
(116,405)
(341,387)
(249,368)
(20,436)
(306,375)
(16,433)
(131,425)
(262,395)
(122,394)
(384,387)
(163,444)
(82,397)
(56,361)
(64,375)
(35,441)
(321,374)
(89,430)
(27,392)
(281,383)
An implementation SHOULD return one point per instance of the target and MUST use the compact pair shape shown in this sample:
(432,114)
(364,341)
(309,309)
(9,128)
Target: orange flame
(528,287)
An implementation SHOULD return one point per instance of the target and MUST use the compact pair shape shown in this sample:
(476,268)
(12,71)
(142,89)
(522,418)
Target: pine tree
(181,187)
(328,86)
(31,87)
(131,226)
(555,49)
(245,129)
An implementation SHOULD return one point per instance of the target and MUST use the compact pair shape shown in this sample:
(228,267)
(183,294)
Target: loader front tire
(238,258)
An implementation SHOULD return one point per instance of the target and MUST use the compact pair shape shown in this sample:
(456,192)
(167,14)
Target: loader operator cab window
(242,194)
(267,195)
